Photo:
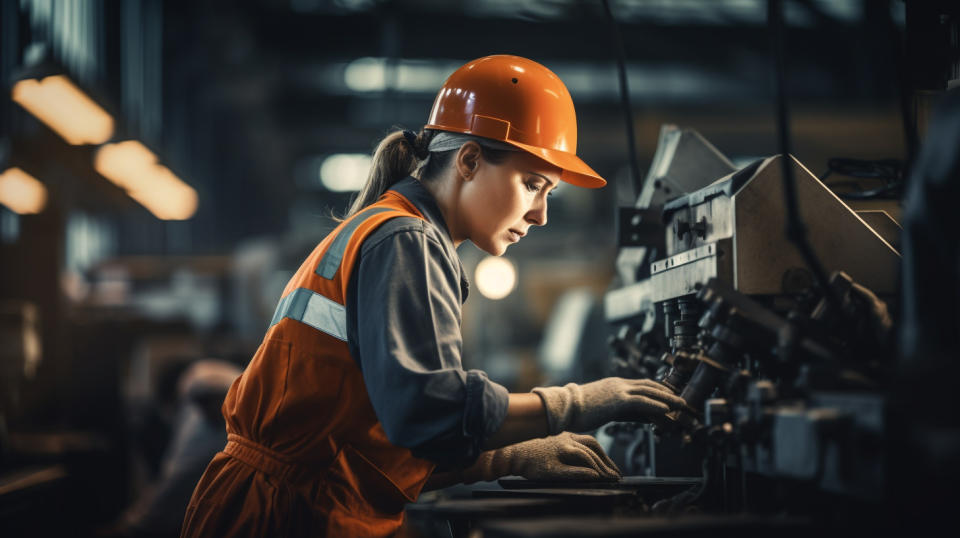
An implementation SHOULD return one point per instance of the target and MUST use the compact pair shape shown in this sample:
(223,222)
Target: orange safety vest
(306,454)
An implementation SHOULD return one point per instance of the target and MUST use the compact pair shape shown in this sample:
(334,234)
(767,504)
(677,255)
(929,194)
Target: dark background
(244,100)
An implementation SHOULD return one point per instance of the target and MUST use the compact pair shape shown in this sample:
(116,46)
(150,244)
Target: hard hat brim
(575,171)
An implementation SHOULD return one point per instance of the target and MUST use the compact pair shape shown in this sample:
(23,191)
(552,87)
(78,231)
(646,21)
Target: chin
(493,248)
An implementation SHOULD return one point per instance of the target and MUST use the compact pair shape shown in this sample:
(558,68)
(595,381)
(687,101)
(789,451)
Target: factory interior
(772,245)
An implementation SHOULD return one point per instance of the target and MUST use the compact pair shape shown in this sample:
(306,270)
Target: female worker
(357,395)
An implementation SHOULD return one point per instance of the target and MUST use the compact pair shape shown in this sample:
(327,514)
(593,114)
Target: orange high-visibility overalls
(306,454)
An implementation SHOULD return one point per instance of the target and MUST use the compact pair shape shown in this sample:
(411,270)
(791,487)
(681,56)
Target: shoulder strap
(318,299)
(334,256)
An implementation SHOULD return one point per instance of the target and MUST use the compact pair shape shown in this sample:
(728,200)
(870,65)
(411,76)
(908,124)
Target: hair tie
(419,152)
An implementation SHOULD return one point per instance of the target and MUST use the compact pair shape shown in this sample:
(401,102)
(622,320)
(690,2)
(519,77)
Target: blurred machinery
(784,379)
(766,302)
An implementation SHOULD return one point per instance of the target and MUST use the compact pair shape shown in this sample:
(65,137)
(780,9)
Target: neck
(446,192)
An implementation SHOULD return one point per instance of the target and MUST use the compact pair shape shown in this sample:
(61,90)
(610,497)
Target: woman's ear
(467,160)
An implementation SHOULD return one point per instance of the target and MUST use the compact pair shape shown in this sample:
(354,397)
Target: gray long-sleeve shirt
(403,328)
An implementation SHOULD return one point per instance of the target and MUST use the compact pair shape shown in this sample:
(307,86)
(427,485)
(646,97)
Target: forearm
(526,419)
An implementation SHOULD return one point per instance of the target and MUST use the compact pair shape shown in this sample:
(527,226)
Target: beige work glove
(581,408)
(566,456)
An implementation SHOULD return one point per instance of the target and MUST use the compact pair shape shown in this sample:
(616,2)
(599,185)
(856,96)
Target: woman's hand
(566,456)
(586,407)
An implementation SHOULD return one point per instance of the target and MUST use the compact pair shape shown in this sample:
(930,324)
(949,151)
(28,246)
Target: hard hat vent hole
(513,80)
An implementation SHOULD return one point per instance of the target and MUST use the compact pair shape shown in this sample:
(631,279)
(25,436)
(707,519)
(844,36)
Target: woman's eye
(534,187)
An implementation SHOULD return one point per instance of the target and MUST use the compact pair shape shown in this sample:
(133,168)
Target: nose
(537,215)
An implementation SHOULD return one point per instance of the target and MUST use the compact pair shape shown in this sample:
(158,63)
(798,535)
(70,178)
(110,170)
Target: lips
(515,235)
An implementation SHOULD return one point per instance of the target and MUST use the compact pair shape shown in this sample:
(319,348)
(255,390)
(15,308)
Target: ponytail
(397,156)
(405,153)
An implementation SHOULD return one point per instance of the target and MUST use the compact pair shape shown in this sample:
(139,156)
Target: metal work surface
(627,482)
(689,525)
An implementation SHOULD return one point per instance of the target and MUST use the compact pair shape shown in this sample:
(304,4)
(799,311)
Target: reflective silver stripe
(307,306)
(330,262)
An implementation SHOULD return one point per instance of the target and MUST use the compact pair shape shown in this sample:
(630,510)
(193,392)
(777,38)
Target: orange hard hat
(517,101)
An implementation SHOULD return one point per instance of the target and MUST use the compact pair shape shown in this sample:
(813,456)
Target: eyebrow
(553,185)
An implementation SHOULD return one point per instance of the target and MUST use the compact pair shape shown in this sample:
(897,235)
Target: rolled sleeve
(408,345)
(486,406)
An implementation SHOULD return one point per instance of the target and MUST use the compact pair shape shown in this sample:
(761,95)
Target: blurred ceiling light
(585,81)
(21,192)
(496,277)
(422,76)
(345,172)
(134,168)
(127,164)
(166,196)
(366,75)
(62,106)
(371,75)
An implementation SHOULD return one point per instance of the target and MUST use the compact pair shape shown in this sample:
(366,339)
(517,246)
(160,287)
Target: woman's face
(500,202)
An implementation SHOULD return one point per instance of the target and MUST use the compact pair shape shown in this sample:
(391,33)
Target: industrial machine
(784,377)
